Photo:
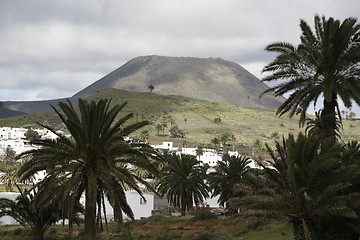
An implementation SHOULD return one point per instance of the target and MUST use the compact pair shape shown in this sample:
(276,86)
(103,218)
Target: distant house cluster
(208,156)
(15,138)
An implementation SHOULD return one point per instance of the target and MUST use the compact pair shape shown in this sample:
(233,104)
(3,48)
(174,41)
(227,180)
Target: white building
(12,133)
(209,156)
(166,146)
(46,134)
(18,145)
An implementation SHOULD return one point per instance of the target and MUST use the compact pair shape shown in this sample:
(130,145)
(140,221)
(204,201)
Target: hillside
(211,79)
(194,117)
(208,79)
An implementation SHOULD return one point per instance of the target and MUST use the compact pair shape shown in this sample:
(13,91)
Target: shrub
(204,214)
(52,231)
(204,236)
(18,231)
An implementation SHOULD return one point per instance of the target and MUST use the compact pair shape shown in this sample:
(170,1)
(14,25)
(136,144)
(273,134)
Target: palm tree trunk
(118,217)
(298,229)
(329,117)
(183,207)
(90,215)
(183,211)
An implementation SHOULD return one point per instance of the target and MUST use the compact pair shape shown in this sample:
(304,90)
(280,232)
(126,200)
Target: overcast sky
(53,49)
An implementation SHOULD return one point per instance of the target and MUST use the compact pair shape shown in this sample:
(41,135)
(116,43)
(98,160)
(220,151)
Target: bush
(52,231)
(204,214)
(18,231)
(204,236)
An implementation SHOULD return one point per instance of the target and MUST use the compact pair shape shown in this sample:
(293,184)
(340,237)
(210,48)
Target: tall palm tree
(307,185)
(229,172)
(325,64)
(183,181)
(91,160)
(199,151)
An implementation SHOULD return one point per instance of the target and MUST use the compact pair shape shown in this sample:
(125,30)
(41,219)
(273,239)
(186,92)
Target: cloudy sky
(52,49)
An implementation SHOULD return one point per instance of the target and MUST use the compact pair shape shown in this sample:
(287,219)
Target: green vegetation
(324,65)
(183,181)
(95,160)
(34,218)
(226,175)
(247,125)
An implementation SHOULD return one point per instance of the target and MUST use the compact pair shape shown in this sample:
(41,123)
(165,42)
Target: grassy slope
(246,124)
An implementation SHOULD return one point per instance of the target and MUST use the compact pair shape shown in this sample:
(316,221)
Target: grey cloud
(58,47)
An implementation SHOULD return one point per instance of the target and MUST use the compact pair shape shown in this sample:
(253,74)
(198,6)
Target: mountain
(210,79)
(4,113)
(26,107)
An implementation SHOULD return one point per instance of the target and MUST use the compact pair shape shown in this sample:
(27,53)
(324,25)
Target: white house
(18,145)
(166,146)
(46,134)
(12,133)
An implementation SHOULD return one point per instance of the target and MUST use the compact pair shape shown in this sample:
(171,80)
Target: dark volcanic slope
(208,79)
(25,107)
(202,78)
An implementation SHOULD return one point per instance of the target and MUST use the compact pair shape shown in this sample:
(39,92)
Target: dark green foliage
(229,172)
(325,64)
(32,135)
(204,236)
(311,184)
(151,87)
(183,181)
(34,218)
(217,120)
(10,176)
(9,155)
(18,231)
(176,132)
(95,160)
(52,231)
(316,126)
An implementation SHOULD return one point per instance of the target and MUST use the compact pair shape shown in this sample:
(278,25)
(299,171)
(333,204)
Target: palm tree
(316,126)
(91,160)
(199,151)
(325,64)
(9,155)
(229,172)
(10,177)
(307,185)
(158,127)
(35,219)
(215,141)
(183,182)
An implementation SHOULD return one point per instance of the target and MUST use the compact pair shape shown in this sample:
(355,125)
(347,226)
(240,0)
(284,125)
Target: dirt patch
(183,230)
